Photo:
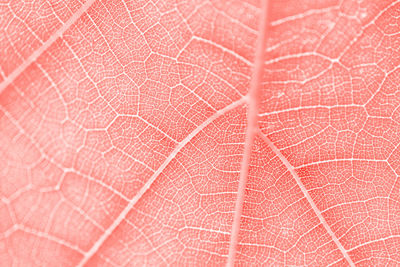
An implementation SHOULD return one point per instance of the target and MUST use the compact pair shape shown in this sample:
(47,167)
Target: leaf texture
(199,133)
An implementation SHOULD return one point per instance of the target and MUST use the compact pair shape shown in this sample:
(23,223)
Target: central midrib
(251,130)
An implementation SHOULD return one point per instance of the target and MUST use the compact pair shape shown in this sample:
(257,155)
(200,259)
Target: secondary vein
(308,197)
(38,52)
(146,187)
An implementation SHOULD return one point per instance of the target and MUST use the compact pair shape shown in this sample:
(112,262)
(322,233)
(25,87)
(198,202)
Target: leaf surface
(199,133)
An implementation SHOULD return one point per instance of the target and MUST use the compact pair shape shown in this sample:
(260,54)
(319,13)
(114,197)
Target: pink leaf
(199,133)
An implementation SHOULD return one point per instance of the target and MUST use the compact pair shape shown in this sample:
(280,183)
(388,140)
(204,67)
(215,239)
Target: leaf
(199,133)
